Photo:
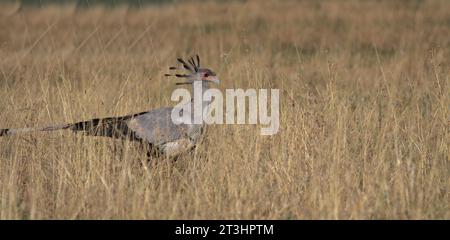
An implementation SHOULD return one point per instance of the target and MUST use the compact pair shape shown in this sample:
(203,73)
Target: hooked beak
(216,81)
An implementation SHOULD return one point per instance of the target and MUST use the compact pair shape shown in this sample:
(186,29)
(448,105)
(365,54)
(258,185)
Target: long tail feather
(115,127)
(14,131)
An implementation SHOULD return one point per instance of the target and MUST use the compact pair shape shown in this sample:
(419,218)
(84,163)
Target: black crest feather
(185,65)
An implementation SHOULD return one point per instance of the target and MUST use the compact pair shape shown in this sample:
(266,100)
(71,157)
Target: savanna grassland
(364,112)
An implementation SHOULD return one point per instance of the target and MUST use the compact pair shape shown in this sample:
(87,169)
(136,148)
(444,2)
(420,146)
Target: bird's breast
(172,149)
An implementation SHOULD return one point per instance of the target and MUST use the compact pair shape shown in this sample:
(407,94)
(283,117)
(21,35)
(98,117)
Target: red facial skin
(207,77)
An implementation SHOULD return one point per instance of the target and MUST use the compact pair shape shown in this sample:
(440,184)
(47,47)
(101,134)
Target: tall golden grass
(365,100)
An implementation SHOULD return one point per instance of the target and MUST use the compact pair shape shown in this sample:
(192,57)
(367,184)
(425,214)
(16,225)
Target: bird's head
(207,75)
(195,72)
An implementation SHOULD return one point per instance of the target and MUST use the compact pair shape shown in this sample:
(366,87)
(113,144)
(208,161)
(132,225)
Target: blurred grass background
(88,3)
(364,109)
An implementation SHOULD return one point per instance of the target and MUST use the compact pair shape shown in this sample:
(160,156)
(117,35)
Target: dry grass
(364,116)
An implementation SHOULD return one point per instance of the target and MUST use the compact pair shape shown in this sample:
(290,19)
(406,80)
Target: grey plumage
(154,127)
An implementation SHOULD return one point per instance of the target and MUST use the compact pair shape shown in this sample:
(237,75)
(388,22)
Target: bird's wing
(156,127)
(115,127)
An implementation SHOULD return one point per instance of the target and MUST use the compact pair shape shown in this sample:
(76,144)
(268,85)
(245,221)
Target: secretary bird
(154,128)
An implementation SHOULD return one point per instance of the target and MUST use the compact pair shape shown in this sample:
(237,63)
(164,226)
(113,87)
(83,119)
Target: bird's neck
(204,88)
(205,104)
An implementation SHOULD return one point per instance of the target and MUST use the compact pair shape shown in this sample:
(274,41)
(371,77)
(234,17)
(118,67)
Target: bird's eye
(206,75)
